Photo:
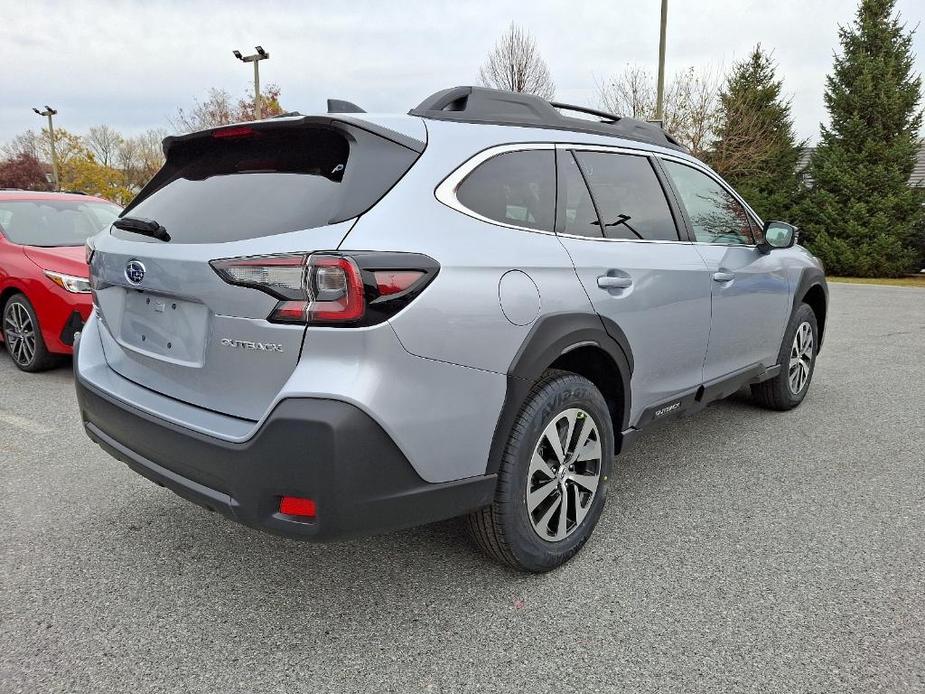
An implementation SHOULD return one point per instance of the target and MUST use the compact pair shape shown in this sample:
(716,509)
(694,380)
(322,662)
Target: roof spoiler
(339,122)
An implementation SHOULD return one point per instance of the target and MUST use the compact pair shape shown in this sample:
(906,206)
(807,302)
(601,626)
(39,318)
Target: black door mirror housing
(777,235)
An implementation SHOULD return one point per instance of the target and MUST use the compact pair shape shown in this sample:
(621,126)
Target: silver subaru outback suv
(330,325)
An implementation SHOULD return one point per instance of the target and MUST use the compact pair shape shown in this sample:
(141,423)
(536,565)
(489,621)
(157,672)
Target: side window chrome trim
(446,189)
(610,149)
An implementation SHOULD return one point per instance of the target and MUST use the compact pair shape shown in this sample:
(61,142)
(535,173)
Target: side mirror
(777,235)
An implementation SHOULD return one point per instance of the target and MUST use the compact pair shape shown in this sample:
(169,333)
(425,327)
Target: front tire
(797,358)
(553,478)
(23,336)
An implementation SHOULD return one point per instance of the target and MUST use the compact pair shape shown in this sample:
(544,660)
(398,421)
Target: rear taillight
(334,289)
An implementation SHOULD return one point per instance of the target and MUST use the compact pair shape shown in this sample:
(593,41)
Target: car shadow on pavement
(152,537)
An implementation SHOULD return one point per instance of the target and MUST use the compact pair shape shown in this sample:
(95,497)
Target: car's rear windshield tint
(271,182)
(54,223)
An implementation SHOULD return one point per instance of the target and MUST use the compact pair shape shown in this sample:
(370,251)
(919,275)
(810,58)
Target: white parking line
(23,424)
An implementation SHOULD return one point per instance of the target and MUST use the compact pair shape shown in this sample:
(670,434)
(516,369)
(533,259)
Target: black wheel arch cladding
(813,290)
(550,338)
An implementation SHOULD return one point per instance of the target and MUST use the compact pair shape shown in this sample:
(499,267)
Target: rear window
(517,188)
(213,190)
(54,223)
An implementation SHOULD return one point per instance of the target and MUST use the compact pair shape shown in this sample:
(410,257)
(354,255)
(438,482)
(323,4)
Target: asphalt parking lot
(741,550)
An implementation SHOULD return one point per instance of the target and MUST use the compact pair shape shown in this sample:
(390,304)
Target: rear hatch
(169,321)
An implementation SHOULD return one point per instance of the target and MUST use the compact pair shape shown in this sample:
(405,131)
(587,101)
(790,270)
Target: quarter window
(517,188)
(715,215)
(629,197)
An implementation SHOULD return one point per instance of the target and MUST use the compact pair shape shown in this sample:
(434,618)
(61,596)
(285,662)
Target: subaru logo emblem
(135,271)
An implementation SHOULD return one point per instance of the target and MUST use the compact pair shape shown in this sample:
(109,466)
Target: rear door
(750,289)
(636,269)
(170,321)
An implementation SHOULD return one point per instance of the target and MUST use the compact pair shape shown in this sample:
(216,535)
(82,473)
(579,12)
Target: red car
(44,290)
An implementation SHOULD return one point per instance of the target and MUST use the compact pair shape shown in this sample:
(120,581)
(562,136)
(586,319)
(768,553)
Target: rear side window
(517,188)
(272,181)
(629,197)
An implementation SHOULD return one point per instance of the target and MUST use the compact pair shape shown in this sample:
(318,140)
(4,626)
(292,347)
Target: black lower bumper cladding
(74,325)
(325,450)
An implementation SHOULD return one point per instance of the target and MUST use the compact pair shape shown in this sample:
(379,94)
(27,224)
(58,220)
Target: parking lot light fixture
(255,58)
(49,112)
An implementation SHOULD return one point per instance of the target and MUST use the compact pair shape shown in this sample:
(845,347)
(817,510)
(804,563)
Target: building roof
(918,173)
(916,179)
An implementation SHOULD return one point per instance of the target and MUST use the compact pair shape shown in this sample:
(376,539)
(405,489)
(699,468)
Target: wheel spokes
(558,497)
(543,522)
(551,434)
(20,334)
(589,445)
(561,528)
(801,358)
(540,494)
(587,481)
(581,510)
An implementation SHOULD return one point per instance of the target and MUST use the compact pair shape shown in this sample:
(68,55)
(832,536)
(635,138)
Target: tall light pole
(255,59)
(660,94)
(49,112)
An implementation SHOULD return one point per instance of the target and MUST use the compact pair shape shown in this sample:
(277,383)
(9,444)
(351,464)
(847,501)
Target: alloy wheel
(20,333)
(801,358)
(564,474)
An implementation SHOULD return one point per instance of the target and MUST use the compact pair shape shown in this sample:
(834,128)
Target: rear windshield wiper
(140,225)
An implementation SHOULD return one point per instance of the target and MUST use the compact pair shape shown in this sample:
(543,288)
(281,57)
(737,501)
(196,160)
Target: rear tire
(797,358)
(23,336)
(553,478)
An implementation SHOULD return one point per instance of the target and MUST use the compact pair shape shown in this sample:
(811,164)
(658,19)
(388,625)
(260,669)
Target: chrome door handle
(723,276)
(611,282)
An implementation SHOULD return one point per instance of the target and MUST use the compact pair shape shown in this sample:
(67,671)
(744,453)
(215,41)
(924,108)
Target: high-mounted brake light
(234,132)
(331,288)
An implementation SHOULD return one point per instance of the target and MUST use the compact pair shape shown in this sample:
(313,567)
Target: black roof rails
(494,106)
(341,106)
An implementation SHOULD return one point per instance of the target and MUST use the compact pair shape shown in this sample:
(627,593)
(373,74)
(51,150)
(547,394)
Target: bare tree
(515,65)
(28,143)
(104,142)
(631,93)
(691,102)
(140,157)
(220,108)
(217,109)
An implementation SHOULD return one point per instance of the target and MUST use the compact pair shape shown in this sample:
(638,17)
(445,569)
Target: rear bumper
(326,450)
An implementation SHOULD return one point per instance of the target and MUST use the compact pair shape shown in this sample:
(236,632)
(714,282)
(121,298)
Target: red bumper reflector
(297,506)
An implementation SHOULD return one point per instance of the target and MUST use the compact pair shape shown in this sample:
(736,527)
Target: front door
(750,289)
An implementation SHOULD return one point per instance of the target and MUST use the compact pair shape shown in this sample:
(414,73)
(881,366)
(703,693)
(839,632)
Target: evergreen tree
(756,149)
(861,216)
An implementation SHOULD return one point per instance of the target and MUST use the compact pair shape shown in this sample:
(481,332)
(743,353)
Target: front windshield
(54,222)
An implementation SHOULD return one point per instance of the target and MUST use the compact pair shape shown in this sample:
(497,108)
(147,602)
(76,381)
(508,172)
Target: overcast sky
(131,64)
